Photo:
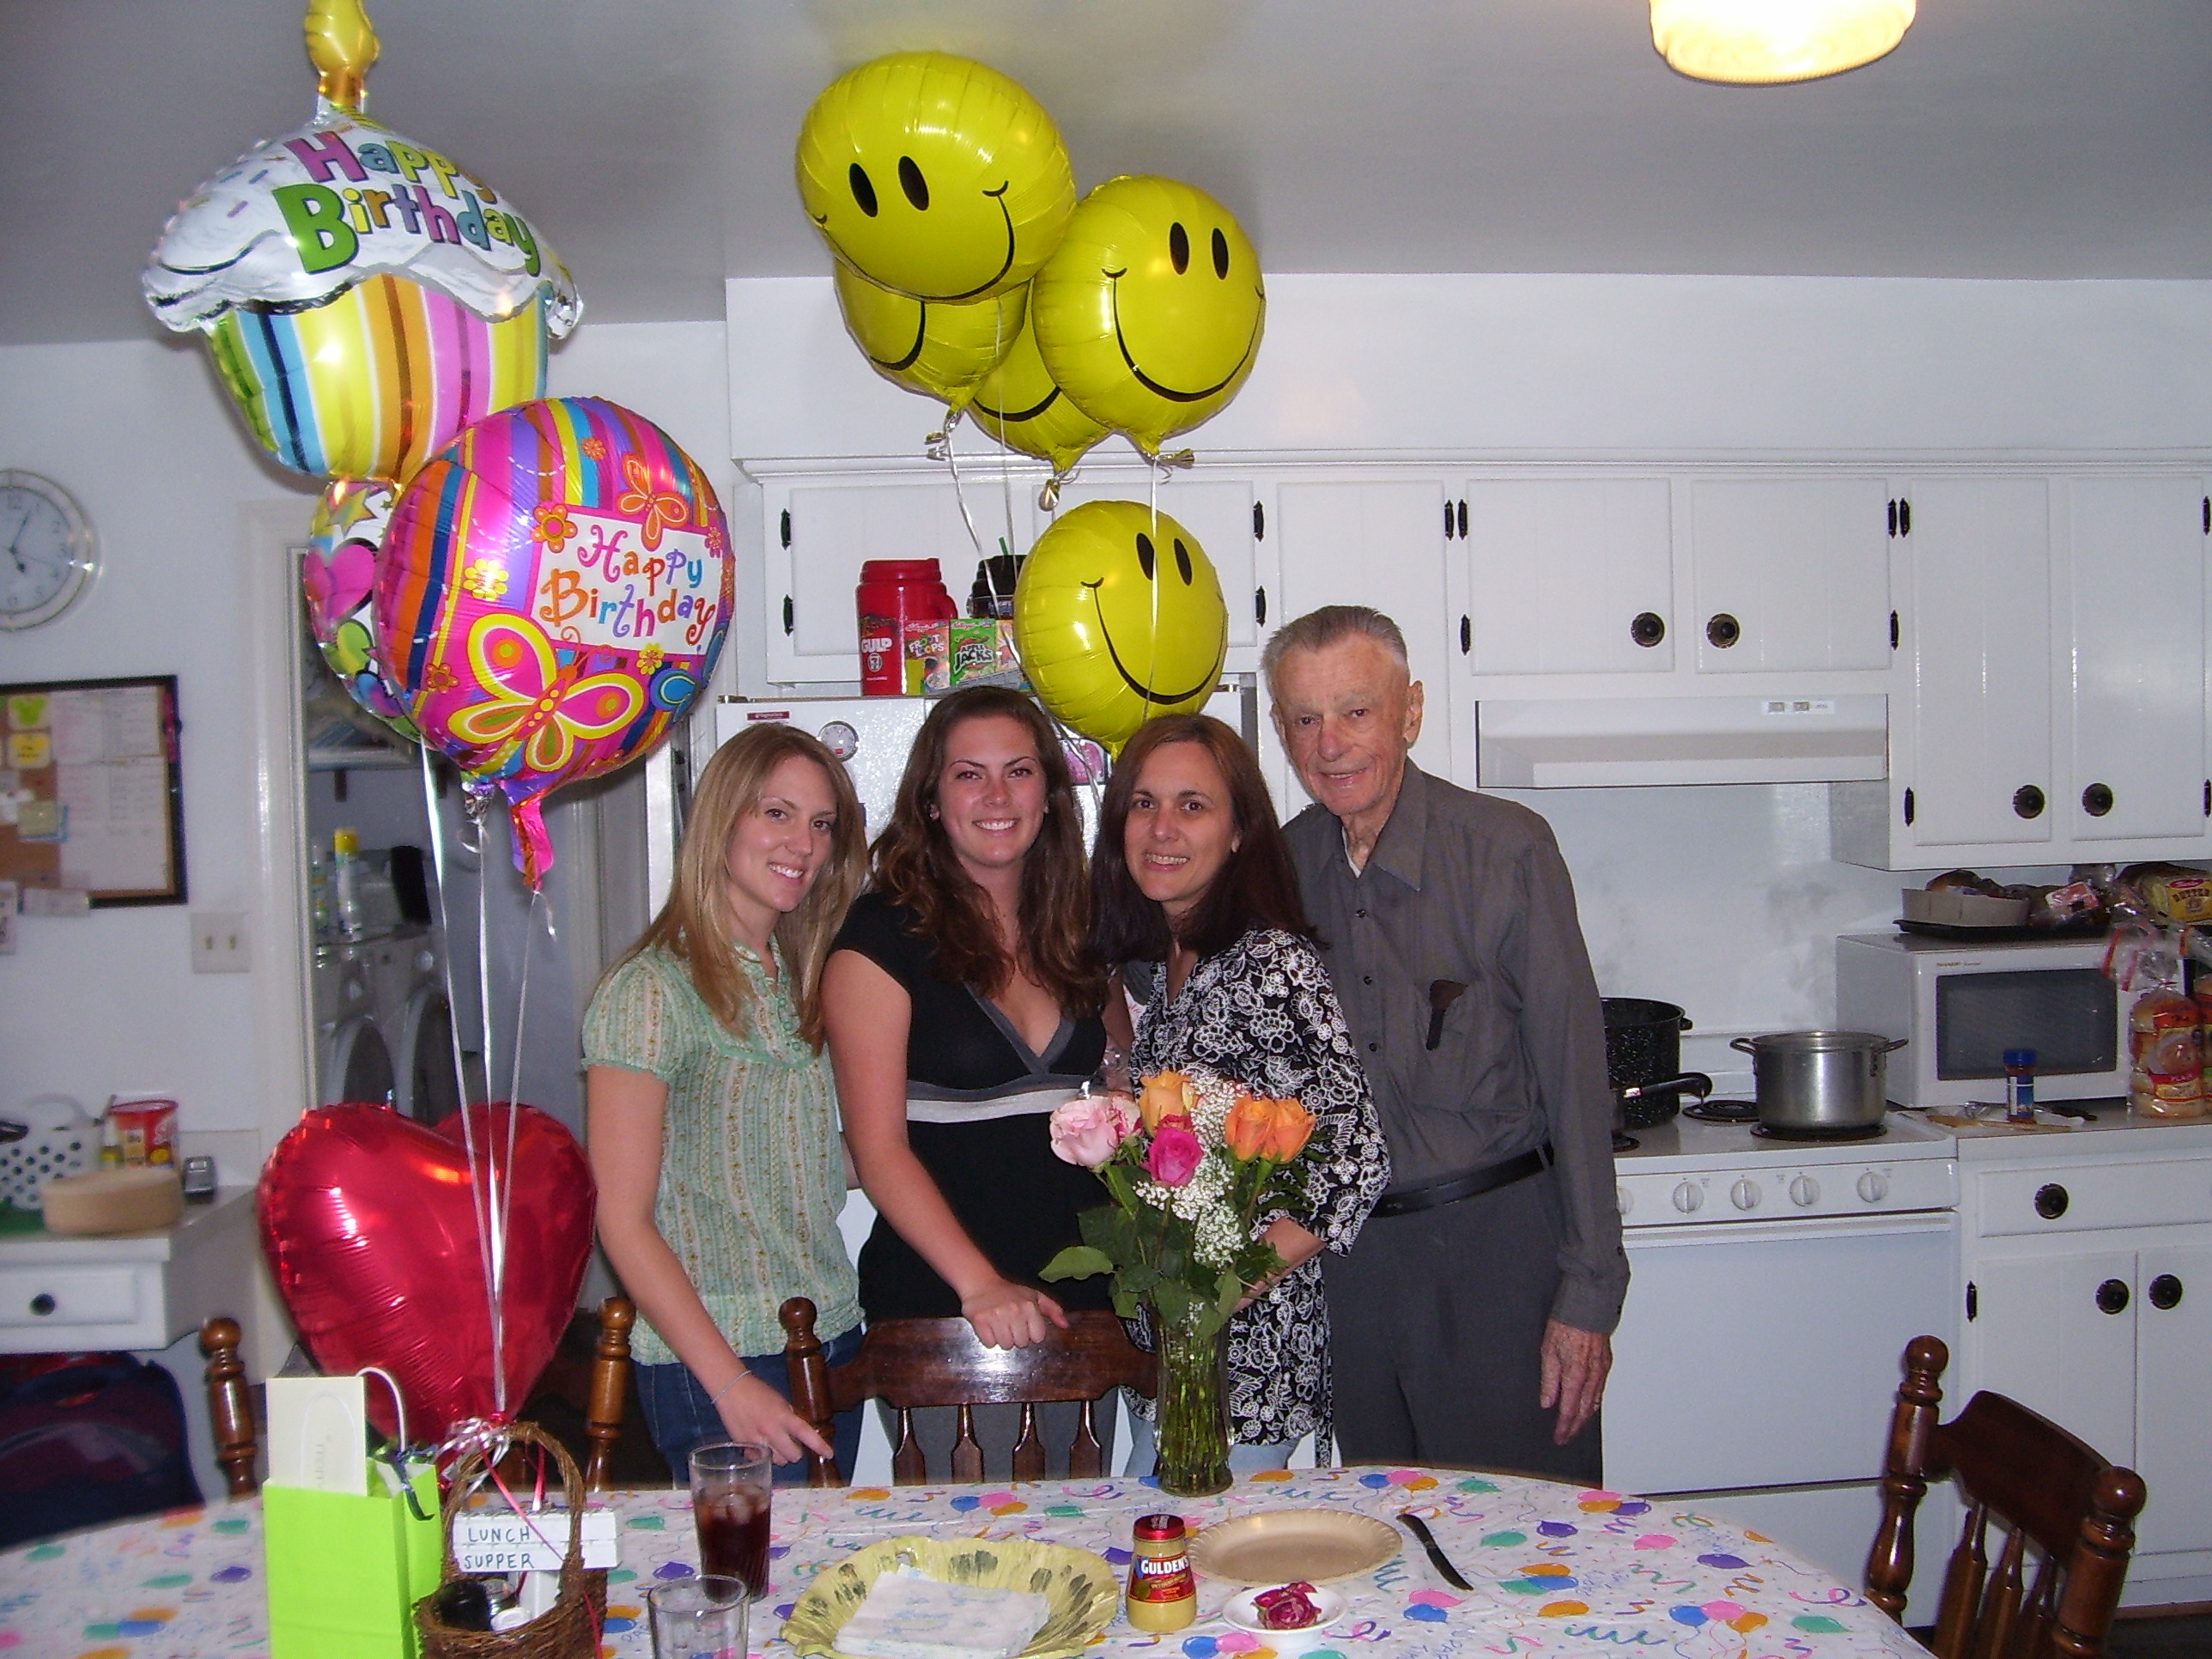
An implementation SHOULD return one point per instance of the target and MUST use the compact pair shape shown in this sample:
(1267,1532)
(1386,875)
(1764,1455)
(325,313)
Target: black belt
(1470,1185)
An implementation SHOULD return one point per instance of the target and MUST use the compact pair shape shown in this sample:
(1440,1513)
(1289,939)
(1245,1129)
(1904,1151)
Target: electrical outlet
(219,943)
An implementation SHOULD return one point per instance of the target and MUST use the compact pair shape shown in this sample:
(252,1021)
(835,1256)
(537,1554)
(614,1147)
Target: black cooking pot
(1644,1061)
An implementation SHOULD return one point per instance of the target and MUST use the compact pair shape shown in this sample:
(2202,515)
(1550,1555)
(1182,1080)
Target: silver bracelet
(715,1399)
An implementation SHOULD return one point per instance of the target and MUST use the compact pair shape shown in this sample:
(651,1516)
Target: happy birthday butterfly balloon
(552,593)
(364,299)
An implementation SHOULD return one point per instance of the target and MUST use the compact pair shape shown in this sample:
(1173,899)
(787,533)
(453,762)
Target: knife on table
(1420,1529)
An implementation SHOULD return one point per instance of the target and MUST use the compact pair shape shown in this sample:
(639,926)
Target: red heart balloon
(369,1222)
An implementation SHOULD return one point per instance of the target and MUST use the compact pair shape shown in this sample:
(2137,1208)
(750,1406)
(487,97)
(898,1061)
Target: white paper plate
(1242,1610)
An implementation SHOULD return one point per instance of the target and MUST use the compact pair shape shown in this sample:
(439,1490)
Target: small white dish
(1243,1610)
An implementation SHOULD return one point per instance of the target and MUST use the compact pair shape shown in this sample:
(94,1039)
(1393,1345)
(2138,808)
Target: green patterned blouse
(752,1173)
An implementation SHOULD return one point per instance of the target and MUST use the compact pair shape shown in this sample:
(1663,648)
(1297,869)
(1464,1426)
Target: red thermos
(892,594)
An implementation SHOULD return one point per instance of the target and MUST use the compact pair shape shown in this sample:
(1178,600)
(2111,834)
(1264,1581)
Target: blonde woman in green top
(712,1115)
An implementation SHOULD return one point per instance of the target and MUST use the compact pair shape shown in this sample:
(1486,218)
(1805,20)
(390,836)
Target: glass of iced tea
(730,1487)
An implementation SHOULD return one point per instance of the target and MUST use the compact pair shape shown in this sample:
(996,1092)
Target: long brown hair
(693,925)
(916,866)
(1256,888)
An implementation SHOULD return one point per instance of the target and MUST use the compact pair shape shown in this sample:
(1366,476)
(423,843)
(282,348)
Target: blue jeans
(681,1416)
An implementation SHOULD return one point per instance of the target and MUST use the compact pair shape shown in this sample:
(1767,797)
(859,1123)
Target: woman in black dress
(963,1005)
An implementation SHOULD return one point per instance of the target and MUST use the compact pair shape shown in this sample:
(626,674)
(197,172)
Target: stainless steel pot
(1820,1081)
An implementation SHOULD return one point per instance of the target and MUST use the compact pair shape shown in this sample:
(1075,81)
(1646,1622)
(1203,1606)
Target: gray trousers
(1437,1323)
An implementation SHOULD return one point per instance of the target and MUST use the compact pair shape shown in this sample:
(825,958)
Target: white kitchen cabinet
(2134,685)
(1218,511)
(1971,737)
(2055,705)
(1790,573)
(2088,1299)
(821,530)
(1378,542)
(1567,575)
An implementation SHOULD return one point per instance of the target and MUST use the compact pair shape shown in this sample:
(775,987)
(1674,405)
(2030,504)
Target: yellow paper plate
(1276,1547)
(1081,1588)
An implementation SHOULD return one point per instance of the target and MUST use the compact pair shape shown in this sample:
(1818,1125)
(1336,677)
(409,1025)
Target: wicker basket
(570,1628)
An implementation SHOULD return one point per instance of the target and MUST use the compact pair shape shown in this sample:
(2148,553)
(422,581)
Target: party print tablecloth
(1556,1570)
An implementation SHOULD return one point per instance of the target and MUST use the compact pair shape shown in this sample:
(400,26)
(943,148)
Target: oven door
(1754,1354)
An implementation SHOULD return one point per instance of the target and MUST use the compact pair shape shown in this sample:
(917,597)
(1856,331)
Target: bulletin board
(91,789)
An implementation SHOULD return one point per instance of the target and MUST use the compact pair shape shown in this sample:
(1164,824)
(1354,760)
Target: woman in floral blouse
(1195,897)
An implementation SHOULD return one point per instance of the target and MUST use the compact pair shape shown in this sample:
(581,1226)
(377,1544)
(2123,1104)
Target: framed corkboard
(92,789)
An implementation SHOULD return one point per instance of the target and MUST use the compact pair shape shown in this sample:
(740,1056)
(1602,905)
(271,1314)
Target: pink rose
(1175,1153)
(1086,1130)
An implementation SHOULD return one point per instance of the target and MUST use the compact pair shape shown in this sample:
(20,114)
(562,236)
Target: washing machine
(405,973)
(352,1060)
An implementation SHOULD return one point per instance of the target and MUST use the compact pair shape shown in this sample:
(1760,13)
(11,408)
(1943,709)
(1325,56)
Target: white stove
(1774,1284)
(1686,1173)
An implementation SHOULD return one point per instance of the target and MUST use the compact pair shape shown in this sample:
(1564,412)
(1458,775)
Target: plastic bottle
(1163,1594)
(345,880)
(2020,1085)
(892,594)
(319,892)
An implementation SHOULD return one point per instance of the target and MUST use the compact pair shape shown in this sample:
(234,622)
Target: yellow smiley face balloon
(938,351)
(1118,617)
(1018,404)
(935,177)
(1149,313)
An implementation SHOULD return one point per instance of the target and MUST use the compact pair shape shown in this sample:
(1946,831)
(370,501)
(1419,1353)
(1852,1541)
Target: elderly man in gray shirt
(1472,1322)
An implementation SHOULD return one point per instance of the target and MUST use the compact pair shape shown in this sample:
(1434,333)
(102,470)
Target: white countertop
(230,1209)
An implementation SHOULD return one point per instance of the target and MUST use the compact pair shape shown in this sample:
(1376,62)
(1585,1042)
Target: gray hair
(1318,630)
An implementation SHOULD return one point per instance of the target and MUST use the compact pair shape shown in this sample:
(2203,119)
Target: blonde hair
(694,926)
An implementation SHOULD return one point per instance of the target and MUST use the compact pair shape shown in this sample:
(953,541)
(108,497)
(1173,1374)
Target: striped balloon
(551,594)
(373,383)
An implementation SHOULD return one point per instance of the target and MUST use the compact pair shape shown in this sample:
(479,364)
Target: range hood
(1619,742)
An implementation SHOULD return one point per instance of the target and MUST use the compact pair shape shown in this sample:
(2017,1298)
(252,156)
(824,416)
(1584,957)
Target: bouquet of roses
(1191,1164)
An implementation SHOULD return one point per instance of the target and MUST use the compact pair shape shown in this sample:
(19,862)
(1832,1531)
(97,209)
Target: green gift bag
(345,1572)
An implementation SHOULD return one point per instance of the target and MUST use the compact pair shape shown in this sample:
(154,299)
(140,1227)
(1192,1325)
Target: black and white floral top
(1263,1014)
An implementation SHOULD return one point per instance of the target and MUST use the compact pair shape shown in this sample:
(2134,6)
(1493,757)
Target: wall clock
(47,558)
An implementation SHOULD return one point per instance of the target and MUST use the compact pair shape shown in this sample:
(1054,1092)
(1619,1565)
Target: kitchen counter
(2116,1130)
(134,1292)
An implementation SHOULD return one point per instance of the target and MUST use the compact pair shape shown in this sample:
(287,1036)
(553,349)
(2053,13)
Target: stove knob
(1804,1191)
(1745,1194)
(1623,1199)
(1689,1198)
(1874,1187)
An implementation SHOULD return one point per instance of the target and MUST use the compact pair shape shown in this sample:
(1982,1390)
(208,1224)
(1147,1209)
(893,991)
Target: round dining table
(1554,1569)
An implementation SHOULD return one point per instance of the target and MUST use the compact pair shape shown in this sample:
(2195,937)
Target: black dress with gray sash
(978,1099)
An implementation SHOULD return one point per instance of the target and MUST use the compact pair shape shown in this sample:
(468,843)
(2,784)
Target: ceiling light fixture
(1760,42)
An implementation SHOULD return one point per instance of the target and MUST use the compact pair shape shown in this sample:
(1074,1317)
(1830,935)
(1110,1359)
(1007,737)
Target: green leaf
(1206,1320)
(1097,1227)
(1140,1276)
(1125,1302)
(1228,1290)
(1077,1262)
(1173,1301)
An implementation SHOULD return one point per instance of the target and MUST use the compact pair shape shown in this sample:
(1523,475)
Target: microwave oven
(1961,1006)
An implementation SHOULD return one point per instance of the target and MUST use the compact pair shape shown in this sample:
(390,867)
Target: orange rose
(1166,1094)
(1277,1130)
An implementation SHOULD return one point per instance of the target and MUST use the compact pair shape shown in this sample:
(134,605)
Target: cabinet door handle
(1908,806)
(785,527)
(2166,1291)
(787,615)
(1892,517)
(1465,635)
(2097,801)
(2112,1296)
(2051,1201)
(1892,630)
(2027,801)
(1646,629)
(1724,630)
(1259,606)
(1447,521)
(43,1303)
(1259,521)
(1904,516)
(1462,521)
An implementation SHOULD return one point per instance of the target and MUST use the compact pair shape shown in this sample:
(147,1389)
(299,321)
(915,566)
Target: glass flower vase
(1193,1410)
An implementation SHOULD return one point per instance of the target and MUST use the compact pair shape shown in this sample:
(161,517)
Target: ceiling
(650,141)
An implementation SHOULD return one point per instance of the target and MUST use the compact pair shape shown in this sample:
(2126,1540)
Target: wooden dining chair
(2042,1489)
(237,1436)
(910,1364)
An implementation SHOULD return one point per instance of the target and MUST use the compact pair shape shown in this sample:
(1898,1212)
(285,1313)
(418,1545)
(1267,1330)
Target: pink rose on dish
(1175,1153)
(1086,1130)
